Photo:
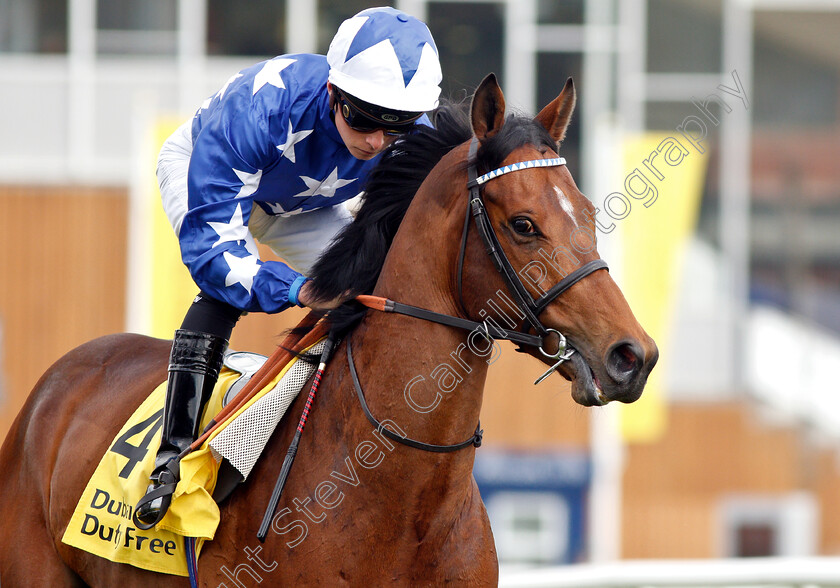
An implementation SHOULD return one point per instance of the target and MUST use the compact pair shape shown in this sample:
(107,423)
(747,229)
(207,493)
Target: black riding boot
(194,366)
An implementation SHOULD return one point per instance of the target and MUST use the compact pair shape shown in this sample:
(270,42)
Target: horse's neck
(428,375)
(422,375)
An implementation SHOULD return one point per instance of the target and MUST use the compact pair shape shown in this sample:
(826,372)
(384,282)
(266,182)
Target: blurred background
(707,134)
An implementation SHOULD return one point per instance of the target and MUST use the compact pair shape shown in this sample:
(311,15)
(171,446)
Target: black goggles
(366,118)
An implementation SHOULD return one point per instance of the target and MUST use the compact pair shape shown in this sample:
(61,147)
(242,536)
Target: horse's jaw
(586,386)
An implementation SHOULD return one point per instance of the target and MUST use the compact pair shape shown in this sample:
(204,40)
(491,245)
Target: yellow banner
(172,287)
(662,191)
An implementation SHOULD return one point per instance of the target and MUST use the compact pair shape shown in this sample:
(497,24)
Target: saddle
(246,364)
(240,443)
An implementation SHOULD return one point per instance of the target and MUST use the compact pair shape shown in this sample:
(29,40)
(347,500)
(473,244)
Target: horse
(369,505)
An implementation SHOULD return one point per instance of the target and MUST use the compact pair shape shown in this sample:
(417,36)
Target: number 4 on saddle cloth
(102,521)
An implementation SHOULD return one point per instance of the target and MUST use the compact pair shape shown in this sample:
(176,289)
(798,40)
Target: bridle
(527,305)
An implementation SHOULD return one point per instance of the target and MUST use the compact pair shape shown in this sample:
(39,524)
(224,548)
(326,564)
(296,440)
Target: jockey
(271,156)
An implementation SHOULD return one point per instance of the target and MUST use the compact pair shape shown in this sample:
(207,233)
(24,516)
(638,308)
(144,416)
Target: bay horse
(361,509)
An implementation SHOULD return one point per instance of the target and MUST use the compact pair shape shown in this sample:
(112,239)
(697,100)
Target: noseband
(527,305)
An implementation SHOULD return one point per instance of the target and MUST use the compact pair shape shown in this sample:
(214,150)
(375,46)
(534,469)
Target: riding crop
(293,446)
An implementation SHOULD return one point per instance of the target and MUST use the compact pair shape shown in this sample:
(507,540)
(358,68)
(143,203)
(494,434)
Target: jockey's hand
(306,296)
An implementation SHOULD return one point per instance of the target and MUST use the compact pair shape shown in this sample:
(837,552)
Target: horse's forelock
(517,132)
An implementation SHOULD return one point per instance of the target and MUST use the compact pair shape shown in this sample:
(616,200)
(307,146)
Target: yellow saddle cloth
(102,521)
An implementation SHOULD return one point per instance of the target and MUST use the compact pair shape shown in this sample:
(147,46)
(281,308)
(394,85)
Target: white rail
(809,572)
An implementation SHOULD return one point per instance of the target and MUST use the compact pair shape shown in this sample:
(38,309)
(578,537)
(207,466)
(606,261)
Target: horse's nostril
(624,361)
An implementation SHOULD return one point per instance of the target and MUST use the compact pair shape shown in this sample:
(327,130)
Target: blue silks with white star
(266,137)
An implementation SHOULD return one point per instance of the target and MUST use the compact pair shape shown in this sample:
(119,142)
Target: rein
(475,440)
(529,307)
(489,329)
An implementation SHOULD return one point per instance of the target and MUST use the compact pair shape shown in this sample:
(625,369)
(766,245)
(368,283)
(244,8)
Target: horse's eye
(523,226)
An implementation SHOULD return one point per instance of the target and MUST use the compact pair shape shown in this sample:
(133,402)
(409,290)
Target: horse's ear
(488,108)
(556,116)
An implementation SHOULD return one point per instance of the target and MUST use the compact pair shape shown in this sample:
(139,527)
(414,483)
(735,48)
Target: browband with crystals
(518,166)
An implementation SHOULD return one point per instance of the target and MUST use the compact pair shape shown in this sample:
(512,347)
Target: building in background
(743,461)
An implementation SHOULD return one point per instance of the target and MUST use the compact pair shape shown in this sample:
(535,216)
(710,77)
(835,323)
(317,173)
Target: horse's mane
(353,261)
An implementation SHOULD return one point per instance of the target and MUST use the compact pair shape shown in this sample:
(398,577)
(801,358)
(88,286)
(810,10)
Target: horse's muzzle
(628,367)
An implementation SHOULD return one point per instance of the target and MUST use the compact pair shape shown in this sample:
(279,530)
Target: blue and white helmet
(387,58)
